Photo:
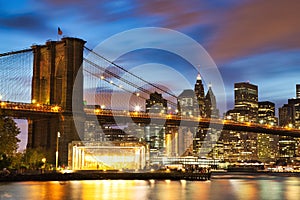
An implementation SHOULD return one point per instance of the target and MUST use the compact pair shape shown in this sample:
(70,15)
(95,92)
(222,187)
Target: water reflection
(248,189)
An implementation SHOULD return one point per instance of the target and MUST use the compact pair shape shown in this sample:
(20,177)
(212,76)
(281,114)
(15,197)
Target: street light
(56,154)
(44,164)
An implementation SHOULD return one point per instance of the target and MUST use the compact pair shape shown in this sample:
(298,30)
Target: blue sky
(249,40)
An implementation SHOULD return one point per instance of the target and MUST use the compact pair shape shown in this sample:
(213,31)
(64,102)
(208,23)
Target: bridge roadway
(30,110)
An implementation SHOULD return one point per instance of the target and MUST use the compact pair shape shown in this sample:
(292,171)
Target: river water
(250,187)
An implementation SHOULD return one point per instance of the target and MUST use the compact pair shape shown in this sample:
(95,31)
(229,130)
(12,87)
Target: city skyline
(247,40)
(57,111)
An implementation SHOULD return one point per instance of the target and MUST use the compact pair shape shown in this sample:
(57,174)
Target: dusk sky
(255,40)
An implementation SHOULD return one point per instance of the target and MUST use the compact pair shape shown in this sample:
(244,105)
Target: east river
(248,187)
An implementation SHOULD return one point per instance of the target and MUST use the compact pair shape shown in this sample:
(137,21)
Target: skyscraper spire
(209,85)
(199,76)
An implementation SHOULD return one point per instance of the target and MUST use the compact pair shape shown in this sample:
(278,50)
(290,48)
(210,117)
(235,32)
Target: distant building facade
(289,116)
(156,104)
(155,134)
(240,145)
(245,103)
(199,93)
(267,145)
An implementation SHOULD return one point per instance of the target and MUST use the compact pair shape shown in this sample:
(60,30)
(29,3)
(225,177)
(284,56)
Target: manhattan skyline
(255,41)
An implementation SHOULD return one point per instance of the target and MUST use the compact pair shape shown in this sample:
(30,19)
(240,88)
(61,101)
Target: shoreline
(55,176)
(106,176)
(251,175)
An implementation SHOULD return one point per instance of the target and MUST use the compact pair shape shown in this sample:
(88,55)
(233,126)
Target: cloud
(256,27)
(94,10)
(25,22)
(174,14)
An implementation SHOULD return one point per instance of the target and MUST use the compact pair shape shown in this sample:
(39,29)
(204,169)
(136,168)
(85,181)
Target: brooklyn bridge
(48,86)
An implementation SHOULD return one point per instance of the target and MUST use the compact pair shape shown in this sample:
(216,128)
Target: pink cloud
(256,27)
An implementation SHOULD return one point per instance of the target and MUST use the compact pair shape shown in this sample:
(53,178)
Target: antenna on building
(199,76)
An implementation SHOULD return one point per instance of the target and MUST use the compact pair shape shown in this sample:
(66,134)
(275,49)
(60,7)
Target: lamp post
(56,153)
(44,165)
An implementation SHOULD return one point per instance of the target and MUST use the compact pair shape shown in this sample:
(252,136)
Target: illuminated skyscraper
(211,110)
(155,133)
(267,145)
(246,101)
(156,103)
(266,113)
(298,91)
(199,93)
(188,104)
(289,116)
(245,110)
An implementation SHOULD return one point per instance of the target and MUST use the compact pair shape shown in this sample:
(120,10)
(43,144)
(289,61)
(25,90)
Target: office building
(188,104)
(245,103)
(267,145)
(211,110)
(298,91)
(199,93)
(156,104)
(240,145)
(289,116)
(154,132)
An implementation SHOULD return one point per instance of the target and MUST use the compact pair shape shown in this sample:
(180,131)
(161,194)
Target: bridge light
(137,94)
(3,104)
(111,82)
(102,77)
(33,101)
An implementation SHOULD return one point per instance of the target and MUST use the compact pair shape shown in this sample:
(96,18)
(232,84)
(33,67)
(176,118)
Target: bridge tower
(55,67)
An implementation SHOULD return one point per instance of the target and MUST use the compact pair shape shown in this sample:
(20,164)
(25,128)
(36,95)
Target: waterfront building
(267,145)
(182,162)
(240,145)
(289,116)
(114,155)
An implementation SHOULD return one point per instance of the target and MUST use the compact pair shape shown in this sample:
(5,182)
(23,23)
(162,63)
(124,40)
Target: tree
(33,158)
(8,135)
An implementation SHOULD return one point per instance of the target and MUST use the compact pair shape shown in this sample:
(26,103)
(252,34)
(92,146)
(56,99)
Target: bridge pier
(56,65)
